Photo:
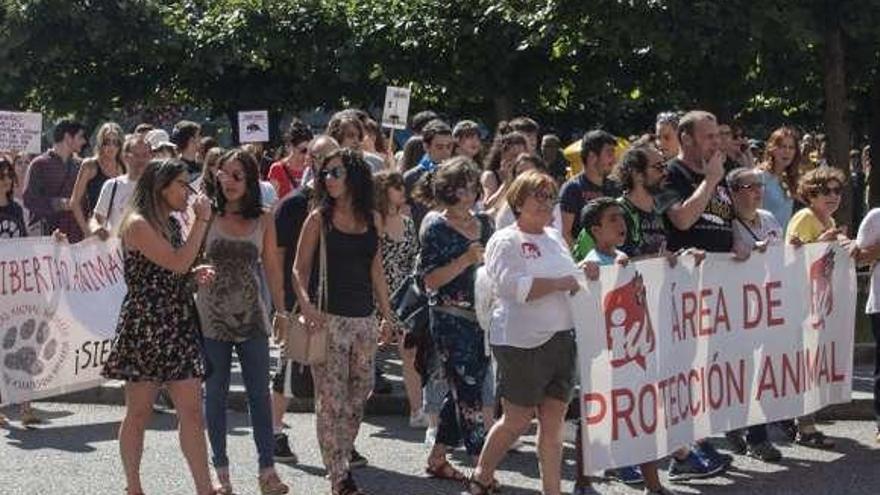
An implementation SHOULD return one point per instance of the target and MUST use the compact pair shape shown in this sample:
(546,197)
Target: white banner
(668,356)
(396,109)
(20,131)
(58,309)
(253,127)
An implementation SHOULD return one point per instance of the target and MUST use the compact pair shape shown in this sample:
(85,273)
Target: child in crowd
(605,221)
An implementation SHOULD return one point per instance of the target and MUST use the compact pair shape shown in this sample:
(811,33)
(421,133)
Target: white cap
(158,138)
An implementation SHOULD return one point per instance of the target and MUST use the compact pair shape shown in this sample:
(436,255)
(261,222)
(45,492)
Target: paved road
(77,453)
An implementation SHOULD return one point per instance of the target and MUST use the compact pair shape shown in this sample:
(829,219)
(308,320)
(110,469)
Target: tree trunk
(835,115)
(503,108)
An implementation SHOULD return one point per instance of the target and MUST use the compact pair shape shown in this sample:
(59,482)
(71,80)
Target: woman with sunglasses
(239,243)
(452,247)
(286,174)
(345,222)
(106,163)
(157,338)
(821,189)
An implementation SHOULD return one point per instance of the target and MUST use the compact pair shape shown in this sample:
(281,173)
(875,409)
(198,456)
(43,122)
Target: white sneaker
(418,420)
(430,436)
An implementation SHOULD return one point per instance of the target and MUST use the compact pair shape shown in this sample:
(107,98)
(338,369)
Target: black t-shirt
(12,221)
(290,216)
(577,191)
(713,230)
(645,231)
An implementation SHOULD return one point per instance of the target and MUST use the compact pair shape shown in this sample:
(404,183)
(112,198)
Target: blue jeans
(253,355)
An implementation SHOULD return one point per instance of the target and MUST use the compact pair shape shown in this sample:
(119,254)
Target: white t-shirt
(112,213)
(268,194)
(505,217)
(745,236)
(869,234)
(513,260)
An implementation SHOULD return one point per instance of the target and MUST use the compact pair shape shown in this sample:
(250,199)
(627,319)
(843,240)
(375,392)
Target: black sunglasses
(335,172)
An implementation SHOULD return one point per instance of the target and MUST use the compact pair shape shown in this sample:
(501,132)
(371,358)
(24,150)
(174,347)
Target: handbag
(301,345)
(410,304)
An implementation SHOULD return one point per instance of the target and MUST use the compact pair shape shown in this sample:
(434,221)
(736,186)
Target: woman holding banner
(158,341)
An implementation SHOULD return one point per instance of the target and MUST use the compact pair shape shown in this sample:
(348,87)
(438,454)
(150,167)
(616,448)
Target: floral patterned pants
(342,385)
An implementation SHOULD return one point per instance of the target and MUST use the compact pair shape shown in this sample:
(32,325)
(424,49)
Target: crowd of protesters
(223,246)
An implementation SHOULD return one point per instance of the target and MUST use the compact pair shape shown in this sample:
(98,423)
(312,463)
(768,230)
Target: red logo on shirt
(629,333)
(530,250)
(821,289)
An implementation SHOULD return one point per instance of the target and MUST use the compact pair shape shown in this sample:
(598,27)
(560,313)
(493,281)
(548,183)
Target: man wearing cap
(160,144)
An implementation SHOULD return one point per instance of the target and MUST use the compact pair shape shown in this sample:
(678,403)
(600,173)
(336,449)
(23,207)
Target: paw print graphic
(28,346)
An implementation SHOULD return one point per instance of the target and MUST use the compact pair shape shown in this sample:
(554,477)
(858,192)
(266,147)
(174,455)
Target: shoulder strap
(112,198)
(322,271)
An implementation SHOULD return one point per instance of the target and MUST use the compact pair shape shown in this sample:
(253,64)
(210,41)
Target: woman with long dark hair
(346,224)
(240,242)
(157,337)
(497,174)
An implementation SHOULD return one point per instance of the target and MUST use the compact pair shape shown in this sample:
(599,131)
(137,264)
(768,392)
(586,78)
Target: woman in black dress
(157,337)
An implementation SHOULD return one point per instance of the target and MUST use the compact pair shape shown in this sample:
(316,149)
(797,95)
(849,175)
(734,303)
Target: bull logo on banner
(629,333)
(821,289)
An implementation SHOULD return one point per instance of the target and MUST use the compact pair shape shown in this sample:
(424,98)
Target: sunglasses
(757,186)
(335,173)
(828,191)
(235,176)
(545,197)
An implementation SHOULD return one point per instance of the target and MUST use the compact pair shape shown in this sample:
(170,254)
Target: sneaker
(708,451)
(629,475)
(430,436)
(660,491)
(693,467)
(282,450)
(737,443)
(764,451)
(357,460)
(418,420)
(381,385)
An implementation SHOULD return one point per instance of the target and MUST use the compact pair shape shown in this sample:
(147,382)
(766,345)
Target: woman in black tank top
(345,223)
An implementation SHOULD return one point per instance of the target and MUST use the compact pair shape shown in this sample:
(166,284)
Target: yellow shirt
(806,226)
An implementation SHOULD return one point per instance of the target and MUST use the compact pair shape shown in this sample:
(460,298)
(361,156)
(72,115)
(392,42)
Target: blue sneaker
(629,475)
(693,467)
(708,451)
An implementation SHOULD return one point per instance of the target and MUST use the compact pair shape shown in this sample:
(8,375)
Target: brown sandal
(445,471)
(474,487)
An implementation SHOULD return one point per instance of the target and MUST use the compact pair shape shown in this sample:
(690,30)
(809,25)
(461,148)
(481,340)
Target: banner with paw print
(672,354)
(58,309)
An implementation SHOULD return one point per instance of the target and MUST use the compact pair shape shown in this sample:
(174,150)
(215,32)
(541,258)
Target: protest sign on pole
(59,304)
(253,126)
(20,131)
(396,110)
(668,356)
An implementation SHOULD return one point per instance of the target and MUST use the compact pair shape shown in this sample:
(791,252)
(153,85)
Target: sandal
(815,439)
(474,487)
(272,485)
(445,471)
(348,487)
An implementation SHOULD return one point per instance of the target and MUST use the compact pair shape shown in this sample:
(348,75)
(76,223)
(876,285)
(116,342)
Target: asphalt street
(76,453)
